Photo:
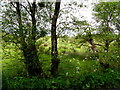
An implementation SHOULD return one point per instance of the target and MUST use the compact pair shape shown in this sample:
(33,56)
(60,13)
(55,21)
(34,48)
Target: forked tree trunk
(29,50)
(54,52)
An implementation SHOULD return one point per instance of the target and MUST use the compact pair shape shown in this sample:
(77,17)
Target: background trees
(106,14)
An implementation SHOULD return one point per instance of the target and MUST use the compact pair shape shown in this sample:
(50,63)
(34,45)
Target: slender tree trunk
(106,45)
(118,36)
(118,40)
(54,52)
(29,50)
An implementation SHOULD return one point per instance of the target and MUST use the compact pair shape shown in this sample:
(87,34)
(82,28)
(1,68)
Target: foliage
(109,79)
(76,69)
(79,67)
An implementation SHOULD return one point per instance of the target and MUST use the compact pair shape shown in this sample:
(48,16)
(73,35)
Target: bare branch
(12,4)
(25,9)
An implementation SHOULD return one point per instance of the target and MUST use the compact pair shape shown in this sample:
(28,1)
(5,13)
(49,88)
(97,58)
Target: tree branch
(25,9)
(12,4)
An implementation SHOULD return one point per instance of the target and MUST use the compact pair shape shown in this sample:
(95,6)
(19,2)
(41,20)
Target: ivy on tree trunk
(29,49)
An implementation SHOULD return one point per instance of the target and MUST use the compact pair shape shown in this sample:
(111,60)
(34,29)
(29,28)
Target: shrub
(108,79)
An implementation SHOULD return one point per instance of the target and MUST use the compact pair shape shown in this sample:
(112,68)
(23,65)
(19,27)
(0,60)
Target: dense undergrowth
(108,79)
(79,68)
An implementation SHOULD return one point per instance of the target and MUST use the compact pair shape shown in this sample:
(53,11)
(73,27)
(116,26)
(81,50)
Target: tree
(106,14)
(54,52)
(29,49)
(20,22)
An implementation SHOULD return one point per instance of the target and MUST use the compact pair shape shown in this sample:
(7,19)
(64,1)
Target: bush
(108,79)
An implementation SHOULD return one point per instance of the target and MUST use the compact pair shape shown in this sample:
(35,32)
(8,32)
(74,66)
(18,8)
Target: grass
(78,68)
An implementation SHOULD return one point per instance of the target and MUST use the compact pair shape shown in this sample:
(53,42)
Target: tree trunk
(32,62)
(54,52)
(118,41)
(29,50)
(93,46)
(107,43)
(91,42)
(118,36)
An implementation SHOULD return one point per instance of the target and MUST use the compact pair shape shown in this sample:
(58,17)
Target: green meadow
(78,68)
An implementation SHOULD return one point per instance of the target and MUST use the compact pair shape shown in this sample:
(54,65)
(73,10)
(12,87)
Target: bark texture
(54,52)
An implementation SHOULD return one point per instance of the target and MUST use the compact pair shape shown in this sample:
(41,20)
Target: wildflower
(95,70)
(98,59)
(66,73)
(83,60)
(77,68)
